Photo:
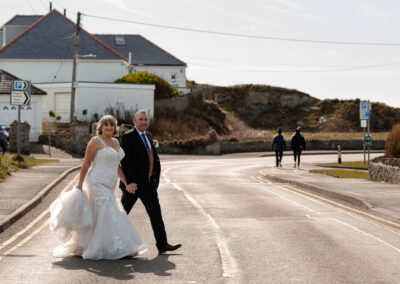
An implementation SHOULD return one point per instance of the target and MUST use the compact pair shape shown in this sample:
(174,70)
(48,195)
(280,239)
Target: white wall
(47,71)
(32,114)
(96,97)
(166,73)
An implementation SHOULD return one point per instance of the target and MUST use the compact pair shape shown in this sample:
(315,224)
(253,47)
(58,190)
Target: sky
(323,70)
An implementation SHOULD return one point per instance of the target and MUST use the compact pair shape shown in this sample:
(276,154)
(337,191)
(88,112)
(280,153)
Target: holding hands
(131,188)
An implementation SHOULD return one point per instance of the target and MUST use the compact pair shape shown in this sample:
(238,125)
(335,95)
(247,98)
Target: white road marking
(229,266)
(367,234)
(288,199)
(294,191)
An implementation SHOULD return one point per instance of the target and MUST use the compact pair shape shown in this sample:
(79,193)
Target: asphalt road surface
(235,227)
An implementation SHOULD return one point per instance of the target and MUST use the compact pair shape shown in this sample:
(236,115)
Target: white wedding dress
(93,223)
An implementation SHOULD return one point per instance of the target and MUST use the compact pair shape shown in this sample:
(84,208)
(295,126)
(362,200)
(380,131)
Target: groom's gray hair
(141,111)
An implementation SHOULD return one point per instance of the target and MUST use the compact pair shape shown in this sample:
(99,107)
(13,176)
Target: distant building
(31,113)
(40,49)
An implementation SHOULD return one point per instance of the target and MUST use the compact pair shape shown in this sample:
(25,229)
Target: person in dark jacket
(279,145)
(298,144)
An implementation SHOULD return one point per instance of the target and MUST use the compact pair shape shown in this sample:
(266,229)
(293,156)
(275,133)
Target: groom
(142,169)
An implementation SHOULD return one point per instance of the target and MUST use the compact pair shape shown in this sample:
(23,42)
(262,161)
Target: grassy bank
(358,164)
(10,164)
(342,173)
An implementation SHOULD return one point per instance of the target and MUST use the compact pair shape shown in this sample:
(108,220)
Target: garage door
(9,113)
(63,105)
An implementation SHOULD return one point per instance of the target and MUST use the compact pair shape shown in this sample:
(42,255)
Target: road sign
(365,110)
(363,123)
(368,140)
(20,98)
(21,85)
(20,93)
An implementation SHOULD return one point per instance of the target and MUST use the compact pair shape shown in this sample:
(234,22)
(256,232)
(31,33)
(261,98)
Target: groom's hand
(132,187)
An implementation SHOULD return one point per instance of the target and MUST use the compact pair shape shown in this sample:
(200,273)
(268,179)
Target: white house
(31,113)
(96,97)
(43,53)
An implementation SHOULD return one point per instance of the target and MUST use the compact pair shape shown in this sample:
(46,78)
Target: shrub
(163,89)
(392,147)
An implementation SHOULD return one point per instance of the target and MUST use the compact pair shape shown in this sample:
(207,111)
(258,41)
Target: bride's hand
(79,186)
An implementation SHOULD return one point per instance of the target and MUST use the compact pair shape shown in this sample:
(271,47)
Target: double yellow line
(30,226)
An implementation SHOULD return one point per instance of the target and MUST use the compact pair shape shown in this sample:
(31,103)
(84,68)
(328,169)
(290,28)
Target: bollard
(339,154)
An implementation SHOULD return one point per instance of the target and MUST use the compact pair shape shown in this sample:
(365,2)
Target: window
(173,78)
(119,40)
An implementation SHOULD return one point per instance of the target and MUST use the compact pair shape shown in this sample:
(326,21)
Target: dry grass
(393,143)
(242,132)
(342,135)
(342,173)
(358,164)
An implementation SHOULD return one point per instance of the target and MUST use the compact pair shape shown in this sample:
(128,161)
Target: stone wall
(264,146)
(385,169)
(24,132)
(75,142)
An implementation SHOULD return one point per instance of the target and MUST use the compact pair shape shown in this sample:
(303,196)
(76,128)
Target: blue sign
(367,114)
(20,85)
(364,105)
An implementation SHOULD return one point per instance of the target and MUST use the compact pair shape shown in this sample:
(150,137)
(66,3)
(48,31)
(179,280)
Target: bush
(163,89)
(392,147)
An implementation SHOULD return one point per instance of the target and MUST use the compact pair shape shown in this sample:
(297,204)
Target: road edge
(347,198)
(28,206)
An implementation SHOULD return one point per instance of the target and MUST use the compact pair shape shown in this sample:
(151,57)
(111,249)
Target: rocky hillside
(249,112)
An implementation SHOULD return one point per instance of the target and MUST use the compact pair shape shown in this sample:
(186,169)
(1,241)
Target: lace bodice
(104,168)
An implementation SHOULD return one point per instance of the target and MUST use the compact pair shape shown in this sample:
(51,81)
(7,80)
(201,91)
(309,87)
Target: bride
(88,220)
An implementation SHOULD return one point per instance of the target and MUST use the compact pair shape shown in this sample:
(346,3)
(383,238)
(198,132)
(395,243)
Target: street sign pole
(364,143)
(19,131)
(20,95)
(369,127)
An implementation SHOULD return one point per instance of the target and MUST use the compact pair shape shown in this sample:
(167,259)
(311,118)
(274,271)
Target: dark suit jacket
(136,161)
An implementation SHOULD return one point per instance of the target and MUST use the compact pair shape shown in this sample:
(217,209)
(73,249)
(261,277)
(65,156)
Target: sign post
(365,115)
(20,96)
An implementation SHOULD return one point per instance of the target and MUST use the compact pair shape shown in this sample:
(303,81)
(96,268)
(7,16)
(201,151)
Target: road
(235,227)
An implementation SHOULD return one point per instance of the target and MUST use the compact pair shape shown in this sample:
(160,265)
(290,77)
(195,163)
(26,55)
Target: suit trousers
(149,197)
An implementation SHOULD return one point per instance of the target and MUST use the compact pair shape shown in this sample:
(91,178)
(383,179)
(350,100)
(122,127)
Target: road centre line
(344,209)
(30,225)
(355,228)
(367,234)
(289,200)
(229,266)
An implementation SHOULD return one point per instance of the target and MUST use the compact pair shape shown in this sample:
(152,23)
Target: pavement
(26,188)
(380,198)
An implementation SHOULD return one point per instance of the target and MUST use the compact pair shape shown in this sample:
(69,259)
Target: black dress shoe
(169,247)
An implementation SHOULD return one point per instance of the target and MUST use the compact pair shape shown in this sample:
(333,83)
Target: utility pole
(51,5)
(74,62)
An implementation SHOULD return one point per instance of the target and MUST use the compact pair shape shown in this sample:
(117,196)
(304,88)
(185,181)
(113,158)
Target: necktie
(145,143)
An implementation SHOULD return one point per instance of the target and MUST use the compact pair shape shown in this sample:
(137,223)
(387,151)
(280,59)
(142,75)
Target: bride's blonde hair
(103,120)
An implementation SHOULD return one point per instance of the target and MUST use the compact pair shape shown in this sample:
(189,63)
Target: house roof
(23,20)
(5,84)
(52,37)
(143,51)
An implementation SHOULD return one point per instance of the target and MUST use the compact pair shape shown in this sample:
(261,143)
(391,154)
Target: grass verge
(342,173)
(10,164)
(358,164)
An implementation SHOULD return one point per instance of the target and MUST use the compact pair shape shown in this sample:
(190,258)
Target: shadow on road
(122,269)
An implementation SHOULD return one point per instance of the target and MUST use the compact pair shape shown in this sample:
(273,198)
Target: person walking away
(298,144)
(279,145)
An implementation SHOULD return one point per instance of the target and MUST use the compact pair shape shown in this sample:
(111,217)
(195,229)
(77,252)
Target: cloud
(289,8)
